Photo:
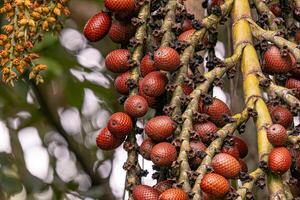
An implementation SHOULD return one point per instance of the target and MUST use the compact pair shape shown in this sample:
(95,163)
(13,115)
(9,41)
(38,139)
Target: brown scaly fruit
(187,25)
(280,160)
(154,84)
(277,135)
(120,124)
(275,9)
(276,63)
(146,147)
(281,115)
(231,150)
(120,6)
(293,83)
(185,36)
(163,185)
(216,111)
(214,185)
(244,167)
(167,59)
(163,154)
(174,194)
(147,65)
(136,106)
(197,148)
(117,61)
(107,141)
(121,83)
(226,165)
(151,100)
(144,192)
(241,145)
(120,32)
(97,27)
(205,130)
(160,128)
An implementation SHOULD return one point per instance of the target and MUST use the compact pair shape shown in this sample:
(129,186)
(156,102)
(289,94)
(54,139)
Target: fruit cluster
(190,140)
(28,21)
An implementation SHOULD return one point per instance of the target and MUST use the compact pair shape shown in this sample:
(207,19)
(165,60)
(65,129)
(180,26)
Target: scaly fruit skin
(97,27)
(244,167)
(276,63)
(233,151)
(121,32)
(121,83)
(293,83)
(117,61)
(241,145)
(226,165)
(280,160)
(187,89)
(107,141)
(281,115)
(216,110)
(214,185)
(163,154)
(120,6)
(136,106)
(275,9)
(120,124)
(167,59)
(154,84)
(146,147)
(185,36)
(217,2)
(151,100)
(163,185)
(160,128)
(147,65)
(205,130)
(197,148)
(144,192)
(187,25)
(277,135)
(173,194)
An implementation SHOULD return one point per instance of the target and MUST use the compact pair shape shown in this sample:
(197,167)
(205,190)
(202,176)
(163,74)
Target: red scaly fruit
(120,124)
(277,135)
(160,128)
(163,154)
(214,185)
(244,167)
(241,145)
(197,148)
(275,9)
(174,194)
(187,25)
(293,83)
(146,147)
(205,130)
(120,6)
(167,59)
(144,192)
(147,65)
(281,115)
(231,150)
(121,83)
(163,185)
(280,160)
(186,35)
(216,110)
(136,106)
(275,62)
(151,100)
(154,84)
(118,60)
(297,36)
(120,32)
(217,2)
(107,141)
(97,27)
(226,165)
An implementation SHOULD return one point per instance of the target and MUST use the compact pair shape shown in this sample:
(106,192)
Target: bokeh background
(47,132)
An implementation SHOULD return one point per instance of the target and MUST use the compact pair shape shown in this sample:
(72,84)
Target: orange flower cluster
(27,22)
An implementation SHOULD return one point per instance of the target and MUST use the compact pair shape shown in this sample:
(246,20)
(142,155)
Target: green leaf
(10,185)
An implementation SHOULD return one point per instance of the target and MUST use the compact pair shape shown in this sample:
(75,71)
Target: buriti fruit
(154,84)
(147,65)
(277,135)
(159,128)
(197,147)
(146,147)
(120,124)
(231,150)
(281,115)
(118,60)
(107,141)
(97,27)
(214,185)
(293,83)
(280,160)
(241,145)
(143,192)
(121,83)
(173,194)
(167,59)
(205,130)
(163,185)
(226,165)
(275,9)
(136,106)
(163,154)
(185,36)
(120,32)
(120,6)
